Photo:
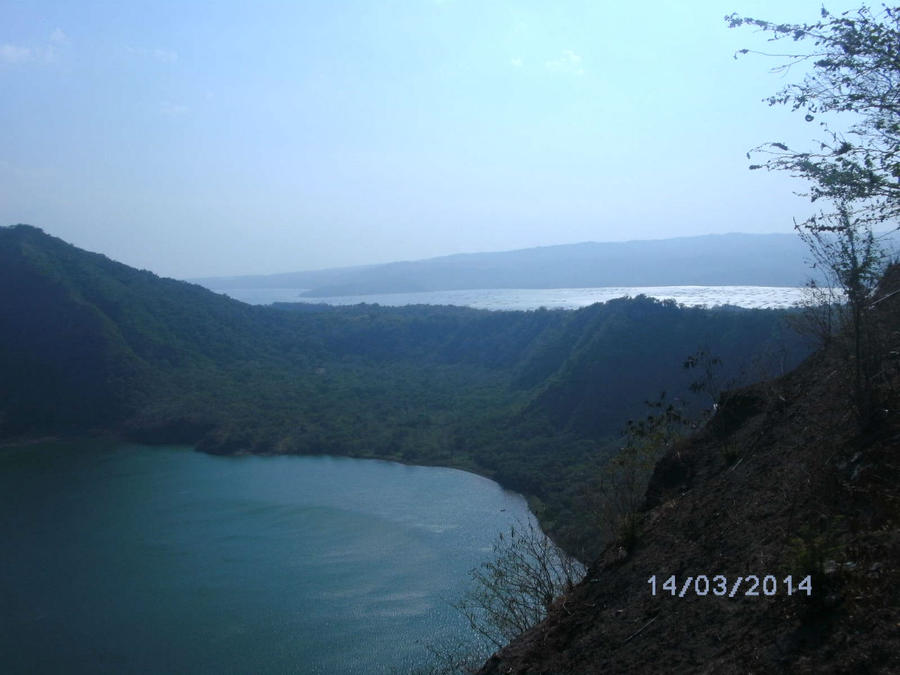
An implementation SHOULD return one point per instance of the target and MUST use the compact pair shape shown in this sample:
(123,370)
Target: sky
(199,139)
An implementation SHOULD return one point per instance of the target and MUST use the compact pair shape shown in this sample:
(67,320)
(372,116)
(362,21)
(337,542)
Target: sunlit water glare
(534,298)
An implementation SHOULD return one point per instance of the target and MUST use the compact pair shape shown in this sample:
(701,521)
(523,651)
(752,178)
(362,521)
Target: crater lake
(124,558)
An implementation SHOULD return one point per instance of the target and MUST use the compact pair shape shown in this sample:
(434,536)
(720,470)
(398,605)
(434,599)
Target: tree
(845,249)
(854,75)
(709,368)
(617,493)
(515,589)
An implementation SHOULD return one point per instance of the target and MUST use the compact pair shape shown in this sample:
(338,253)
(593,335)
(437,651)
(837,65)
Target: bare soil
(783,481)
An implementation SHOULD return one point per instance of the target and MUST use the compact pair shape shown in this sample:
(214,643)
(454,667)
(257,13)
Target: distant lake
(534,298)
(124,558)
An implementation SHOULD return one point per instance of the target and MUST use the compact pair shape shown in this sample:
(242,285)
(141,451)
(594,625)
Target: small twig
(638,632)
(883,297)
(734,466)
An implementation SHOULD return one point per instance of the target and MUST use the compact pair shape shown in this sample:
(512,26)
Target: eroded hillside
(782,481)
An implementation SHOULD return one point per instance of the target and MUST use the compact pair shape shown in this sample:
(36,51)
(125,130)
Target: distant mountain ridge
(708,260)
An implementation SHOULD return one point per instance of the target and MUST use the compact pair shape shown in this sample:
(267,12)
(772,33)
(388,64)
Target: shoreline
(112,437)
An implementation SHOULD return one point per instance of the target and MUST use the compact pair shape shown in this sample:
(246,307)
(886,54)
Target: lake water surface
(534,298)
(124,559)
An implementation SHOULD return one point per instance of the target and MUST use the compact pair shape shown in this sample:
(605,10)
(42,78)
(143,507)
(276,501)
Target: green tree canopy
(853,64)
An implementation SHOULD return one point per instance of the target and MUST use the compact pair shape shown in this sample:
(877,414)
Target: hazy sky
(198,139)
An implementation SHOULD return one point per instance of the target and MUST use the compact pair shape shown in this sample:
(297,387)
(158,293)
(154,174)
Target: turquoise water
(133,559)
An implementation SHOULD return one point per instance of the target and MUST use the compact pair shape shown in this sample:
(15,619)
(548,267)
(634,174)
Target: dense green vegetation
(534,399)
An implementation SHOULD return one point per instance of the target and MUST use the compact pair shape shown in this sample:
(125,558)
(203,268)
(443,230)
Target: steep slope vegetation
(781,482)
(635,349)
(88,341)
(530,398)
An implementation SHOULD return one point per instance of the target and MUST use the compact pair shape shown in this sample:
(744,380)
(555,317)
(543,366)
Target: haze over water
(534,298)
(123,559)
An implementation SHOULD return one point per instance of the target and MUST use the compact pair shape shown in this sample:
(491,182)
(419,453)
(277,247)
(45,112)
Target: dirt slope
(781,481)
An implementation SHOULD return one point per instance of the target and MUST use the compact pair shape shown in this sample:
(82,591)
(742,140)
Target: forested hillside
(530,398)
